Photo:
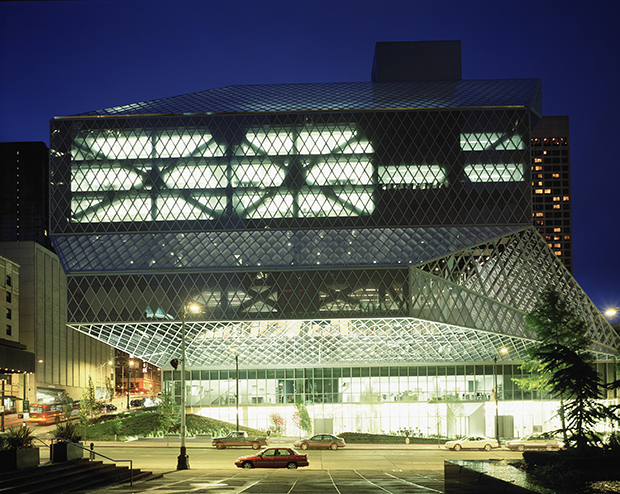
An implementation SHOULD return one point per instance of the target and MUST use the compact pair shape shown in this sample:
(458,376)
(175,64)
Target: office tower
(551,186)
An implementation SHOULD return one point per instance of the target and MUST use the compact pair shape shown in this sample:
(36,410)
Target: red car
(274,458)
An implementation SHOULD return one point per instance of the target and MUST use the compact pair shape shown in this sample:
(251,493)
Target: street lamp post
(129,364)
(183,459)
(502,351)
(237,383)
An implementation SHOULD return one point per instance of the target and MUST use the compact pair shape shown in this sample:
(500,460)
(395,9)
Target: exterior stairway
(72,476)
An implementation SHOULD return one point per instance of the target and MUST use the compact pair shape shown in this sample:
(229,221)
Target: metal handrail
(93,452)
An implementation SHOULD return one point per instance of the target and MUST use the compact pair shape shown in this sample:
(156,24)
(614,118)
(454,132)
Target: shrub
(67,431)
(21,437)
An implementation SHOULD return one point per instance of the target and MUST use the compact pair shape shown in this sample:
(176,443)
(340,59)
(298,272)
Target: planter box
(19,459)
(62,451)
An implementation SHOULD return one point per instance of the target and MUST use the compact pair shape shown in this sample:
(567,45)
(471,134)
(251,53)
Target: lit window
(566,198)
(555,175)
(566,237)
(558,253)
(556,237)
(538,168)
(556,206)
(538,191)
(557,230)
(550,246)
(504,172)
(537,160)
(556,198)
(547,191)
(557,246)
(540,215)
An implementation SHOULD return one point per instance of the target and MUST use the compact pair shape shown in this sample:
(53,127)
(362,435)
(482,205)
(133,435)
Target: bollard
(407,440)
(92,452)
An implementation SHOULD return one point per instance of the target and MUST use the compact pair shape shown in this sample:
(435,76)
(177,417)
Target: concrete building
(364,249)
(16,363)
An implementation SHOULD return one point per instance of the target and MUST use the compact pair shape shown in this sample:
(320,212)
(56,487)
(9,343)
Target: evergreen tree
(554,323)
(566,368)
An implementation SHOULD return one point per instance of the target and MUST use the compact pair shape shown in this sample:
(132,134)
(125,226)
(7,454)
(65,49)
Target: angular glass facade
(323,228)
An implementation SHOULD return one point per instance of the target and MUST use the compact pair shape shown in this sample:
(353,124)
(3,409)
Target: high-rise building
(551,186)
(365,249)
(24,202)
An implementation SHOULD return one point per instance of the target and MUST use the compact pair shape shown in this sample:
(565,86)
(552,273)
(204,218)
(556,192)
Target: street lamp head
(612,311)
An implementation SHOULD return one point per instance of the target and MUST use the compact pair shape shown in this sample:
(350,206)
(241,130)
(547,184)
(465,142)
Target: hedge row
(364,438)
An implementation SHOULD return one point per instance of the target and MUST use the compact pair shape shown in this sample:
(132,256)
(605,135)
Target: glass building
(365,249)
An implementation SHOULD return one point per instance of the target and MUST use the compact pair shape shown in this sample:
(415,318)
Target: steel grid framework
(397,231)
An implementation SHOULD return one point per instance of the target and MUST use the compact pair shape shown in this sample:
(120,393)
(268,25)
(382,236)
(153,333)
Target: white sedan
(472,442)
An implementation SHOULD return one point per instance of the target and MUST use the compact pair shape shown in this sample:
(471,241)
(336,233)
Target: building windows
(8,297)
(9,330)
(8,280)
(8,313)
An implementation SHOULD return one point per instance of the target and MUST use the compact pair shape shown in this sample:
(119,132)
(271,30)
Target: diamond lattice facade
(323,228)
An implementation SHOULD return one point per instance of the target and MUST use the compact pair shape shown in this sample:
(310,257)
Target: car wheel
(521,447)
(487,447)
(334,447)
(457,447)
(304,446)
(247,465)
(220,446)
(292,465)
(255,445)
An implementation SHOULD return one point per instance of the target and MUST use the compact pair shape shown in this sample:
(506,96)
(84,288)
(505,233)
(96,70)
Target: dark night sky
(63,58)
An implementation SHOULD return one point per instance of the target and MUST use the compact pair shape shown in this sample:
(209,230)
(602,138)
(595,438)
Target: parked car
(534,441)
(472,442)
(274,458)
(138,402)
(320,441)
(239,439)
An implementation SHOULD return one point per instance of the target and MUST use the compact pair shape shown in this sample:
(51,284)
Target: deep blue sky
(63,58)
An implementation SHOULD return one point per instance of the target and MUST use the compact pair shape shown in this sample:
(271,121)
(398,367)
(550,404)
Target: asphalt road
(355,469)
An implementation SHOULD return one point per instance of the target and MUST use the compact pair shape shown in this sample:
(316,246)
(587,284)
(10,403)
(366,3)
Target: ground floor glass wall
(427,399)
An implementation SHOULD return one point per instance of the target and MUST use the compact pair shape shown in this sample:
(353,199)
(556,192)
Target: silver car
(534,441)
(472,442)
